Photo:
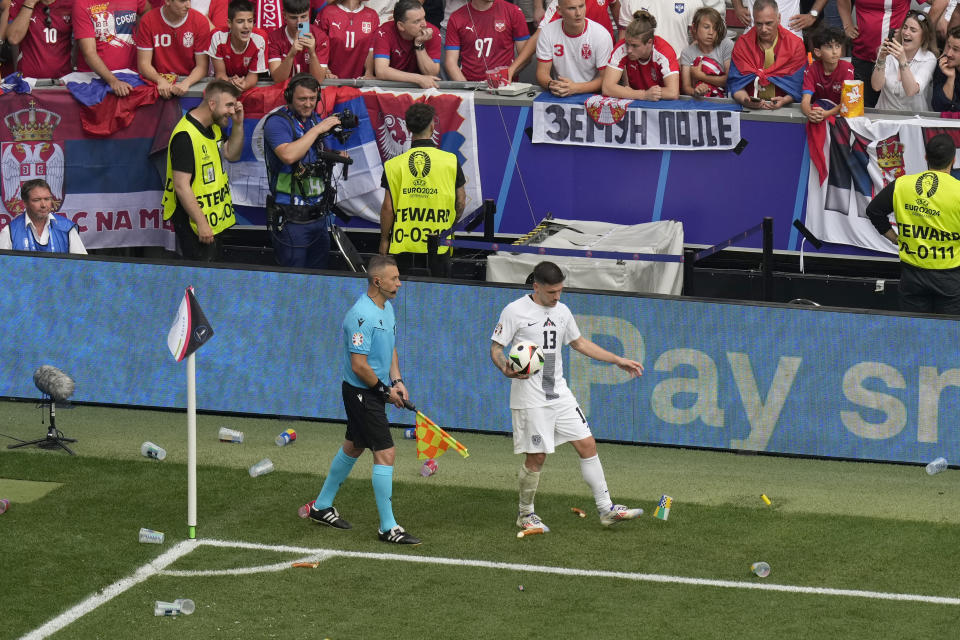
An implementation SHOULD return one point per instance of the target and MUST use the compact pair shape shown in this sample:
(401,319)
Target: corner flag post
(189,332)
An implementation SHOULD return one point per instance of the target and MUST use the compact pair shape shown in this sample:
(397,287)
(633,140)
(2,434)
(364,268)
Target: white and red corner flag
(190,329)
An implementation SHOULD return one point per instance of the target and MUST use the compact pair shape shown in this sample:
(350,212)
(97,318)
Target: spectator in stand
(792,15)
(171,51)
(483,35)
(44,33)
(904,69)
(297,46)
(408,49)
(876,21)
(351,27)
(267,15)
(673,18)
(104,30)
(767,63)
(649,63)
(823,80)
(597,10)
(239,55)
(38,228)
(946,96)
(575,49)
(705,62)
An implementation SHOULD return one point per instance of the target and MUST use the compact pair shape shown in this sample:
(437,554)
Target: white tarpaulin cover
(664,237)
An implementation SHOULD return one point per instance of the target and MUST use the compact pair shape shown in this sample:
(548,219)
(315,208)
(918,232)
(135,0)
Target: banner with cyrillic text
(598,121)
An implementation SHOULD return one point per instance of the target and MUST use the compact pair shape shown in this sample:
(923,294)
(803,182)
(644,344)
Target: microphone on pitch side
(53,382)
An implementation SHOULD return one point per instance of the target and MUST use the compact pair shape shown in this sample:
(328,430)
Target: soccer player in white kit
(544,411)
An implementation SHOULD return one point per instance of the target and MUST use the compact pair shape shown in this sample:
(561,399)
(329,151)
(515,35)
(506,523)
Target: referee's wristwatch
(395,381)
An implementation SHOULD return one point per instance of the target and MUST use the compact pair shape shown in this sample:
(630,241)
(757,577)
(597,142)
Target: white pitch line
(148,570)
(591,573)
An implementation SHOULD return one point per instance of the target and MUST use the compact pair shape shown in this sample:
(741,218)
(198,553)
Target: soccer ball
(526,358)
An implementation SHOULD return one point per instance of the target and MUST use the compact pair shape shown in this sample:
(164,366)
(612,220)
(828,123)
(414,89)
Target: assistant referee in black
(927,208)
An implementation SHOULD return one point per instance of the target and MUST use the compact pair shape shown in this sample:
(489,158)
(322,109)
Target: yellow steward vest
(927,206)
(423,186)
(209,184)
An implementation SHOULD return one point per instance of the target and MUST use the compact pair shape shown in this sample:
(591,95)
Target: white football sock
(592,472)
(528,481)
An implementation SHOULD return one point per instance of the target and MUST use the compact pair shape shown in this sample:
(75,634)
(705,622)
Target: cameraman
(301,193)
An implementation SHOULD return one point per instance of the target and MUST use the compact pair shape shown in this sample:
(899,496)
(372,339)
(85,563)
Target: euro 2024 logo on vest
(32,154)
(419,165)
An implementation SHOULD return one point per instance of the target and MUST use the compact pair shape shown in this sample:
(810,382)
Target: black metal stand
(54,439)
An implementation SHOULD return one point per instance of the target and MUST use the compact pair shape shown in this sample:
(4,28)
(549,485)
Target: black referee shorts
(367,425)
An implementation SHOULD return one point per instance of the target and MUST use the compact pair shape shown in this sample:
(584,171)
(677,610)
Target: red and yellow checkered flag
(432,441)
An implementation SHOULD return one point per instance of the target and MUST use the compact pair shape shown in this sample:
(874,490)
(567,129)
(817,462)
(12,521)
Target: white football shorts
(542,429)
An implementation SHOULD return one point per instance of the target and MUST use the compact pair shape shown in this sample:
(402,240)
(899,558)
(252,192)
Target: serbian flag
(746,64)
(432,441)
(16,83)
(104,113)
(190,329)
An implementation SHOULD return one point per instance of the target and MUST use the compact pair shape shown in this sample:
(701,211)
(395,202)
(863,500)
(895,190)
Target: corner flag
(190,329)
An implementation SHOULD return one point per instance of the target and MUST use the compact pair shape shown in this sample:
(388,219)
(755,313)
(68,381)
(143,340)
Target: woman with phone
(905,63)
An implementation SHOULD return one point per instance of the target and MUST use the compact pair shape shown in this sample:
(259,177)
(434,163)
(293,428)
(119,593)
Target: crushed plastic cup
(175,608)
(760,569)
(936,466)
(429,468)
(149,536)
(410,434)
(285,438)
(230,435)
(262,467)
(4,505)
(304,511)
(187,606)
(150,450)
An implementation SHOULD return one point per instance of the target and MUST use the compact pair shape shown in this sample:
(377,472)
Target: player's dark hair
(237,6)
(941,151)
(827,35)
(400,9)
(296,7)
(377,264)
(641,27)
(547,273)
(711,14)
(419,117)
(216,86)
(30,185)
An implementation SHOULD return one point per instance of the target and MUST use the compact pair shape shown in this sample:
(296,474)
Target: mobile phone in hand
(303,29)
(892,34)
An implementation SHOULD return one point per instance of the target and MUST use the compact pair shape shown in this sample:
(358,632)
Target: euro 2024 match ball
(526,358)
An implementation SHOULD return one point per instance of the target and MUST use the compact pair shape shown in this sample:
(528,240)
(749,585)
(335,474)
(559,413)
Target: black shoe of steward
(330,517)
(398,535)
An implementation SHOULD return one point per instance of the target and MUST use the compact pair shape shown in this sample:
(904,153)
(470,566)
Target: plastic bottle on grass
(149,536)
(761,569)
(4,505)
(429,468)
(936,466)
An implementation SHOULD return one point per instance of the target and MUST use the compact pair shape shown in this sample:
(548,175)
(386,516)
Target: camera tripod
(54,438)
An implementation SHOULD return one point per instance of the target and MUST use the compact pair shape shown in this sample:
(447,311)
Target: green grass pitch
(889,529)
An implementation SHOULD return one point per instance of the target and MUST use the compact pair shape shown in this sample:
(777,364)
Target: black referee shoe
(398,535)
(330,517)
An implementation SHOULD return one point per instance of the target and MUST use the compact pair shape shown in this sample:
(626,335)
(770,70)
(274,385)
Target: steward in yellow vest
(196,194)
(927,209)
(425,196)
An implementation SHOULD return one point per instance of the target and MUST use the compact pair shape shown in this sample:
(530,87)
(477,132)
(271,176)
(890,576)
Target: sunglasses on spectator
(919,16)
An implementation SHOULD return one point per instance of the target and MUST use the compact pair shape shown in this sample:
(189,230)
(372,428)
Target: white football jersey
(580,58)
(524,320)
